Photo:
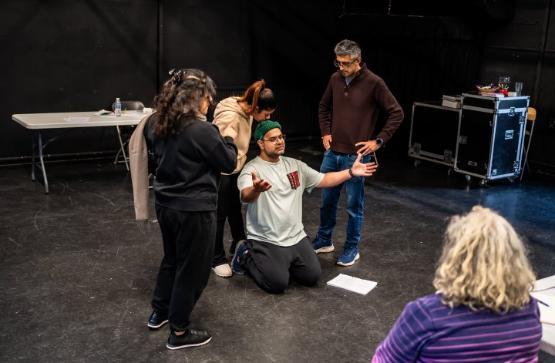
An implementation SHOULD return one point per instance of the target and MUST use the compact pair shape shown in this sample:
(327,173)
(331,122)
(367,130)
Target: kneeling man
(277,248)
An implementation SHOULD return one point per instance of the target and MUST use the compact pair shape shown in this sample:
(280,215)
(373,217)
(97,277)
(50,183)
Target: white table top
(61,120)
(544,290)
(547,343)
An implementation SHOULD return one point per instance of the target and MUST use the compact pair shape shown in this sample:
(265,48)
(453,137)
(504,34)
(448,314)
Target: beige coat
(233,121)
(138,164)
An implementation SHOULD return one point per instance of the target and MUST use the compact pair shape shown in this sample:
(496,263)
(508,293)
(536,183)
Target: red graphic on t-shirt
(294,179)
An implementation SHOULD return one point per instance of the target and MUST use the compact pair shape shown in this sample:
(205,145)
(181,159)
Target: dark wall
(525,49)
(292,48)
(73,56)
(210,35)
(70,56)
(420,58)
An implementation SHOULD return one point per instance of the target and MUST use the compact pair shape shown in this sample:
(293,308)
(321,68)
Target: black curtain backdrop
(73,56)
(62,55)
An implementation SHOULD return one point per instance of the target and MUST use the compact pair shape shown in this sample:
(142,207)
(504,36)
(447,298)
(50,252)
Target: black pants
(229,207)
(188,249)
(272,266)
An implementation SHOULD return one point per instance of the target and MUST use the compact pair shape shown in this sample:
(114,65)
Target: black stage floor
(77,271)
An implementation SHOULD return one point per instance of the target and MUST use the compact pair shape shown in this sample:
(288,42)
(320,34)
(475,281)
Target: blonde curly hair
(483,264)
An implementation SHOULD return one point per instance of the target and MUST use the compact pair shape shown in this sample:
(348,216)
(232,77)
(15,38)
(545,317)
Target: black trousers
(188,249)
(229,208)
(272,266)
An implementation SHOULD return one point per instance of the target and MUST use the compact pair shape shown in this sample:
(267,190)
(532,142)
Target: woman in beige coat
(234,116)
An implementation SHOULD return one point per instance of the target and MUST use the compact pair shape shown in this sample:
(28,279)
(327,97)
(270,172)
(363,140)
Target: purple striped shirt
(430,331)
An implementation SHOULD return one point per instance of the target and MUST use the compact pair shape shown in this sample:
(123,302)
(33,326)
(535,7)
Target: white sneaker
(223,270)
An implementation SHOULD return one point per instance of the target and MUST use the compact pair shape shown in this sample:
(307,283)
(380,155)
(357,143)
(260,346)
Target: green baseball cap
(263,127)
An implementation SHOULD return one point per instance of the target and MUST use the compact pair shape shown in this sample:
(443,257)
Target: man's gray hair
(347,47)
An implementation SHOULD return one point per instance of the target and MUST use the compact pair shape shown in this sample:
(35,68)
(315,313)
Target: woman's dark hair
(180,99)
(258,96)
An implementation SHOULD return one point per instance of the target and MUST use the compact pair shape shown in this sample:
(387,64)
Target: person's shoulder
(251,164)
(197,124)
(423,309)
(532,305)
(153,116)
(370,76)
(290,161)
(427,304)
(151,120)
(228,111)
(296,164)
(430,301)
(228,104)
(199,128)
(335,76)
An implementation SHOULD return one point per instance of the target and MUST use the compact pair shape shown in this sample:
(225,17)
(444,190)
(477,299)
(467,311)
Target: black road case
(491,136)
(433,133)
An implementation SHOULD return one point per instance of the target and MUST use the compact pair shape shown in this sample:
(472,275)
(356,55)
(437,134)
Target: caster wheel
(450,171)
(483,182)
(468,179)
(416,163)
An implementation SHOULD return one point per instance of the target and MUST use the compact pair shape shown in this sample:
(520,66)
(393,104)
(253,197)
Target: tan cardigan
(138,164)
(234,122)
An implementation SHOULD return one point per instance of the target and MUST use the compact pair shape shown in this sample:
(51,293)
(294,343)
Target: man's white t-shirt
(276,216)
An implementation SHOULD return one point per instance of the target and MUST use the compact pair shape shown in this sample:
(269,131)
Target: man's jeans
(330,196)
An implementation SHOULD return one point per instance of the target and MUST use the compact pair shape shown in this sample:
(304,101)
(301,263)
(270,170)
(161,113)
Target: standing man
(349,110)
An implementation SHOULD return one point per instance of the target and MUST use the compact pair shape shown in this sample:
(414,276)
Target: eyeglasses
(339,64)
(275,139)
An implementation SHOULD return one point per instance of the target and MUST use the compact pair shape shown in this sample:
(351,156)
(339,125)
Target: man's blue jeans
(330,196)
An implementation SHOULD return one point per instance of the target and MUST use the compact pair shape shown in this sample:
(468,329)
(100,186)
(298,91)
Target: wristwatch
(351,172)
(379,140)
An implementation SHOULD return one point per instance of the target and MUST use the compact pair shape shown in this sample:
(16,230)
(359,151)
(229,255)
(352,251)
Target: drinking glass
(518,88)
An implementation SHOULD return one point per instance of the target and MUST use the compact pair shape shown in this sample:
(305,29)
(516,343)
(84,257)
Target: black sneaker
(191,338)
(157,320)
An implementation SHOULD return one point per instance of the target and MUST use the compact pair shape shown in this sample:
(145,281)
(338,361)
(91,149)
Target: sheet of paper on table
(544,292)
(545,283)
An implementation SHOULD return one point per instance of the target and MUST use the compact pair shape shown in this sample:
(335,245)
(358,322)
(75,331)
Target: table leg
(523,168)
(33,145)
(41,158)
(122,148)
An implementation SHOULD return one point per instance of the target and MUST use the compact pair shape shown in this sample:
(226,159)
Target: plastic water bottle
(117,107)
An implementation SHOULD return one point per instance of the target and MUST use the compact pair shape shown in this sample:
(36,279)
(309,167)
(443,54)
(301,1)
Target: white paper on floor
(354,284)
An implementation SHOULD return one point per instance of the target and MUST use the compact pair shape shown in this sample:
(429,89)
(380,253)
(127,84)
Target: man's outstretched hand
(363,169)
(259,185)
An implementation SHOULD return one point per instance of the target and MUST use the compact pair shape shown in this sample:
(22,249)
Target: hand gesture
(259,185)
(326,141)
(367,147)
(363,169)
